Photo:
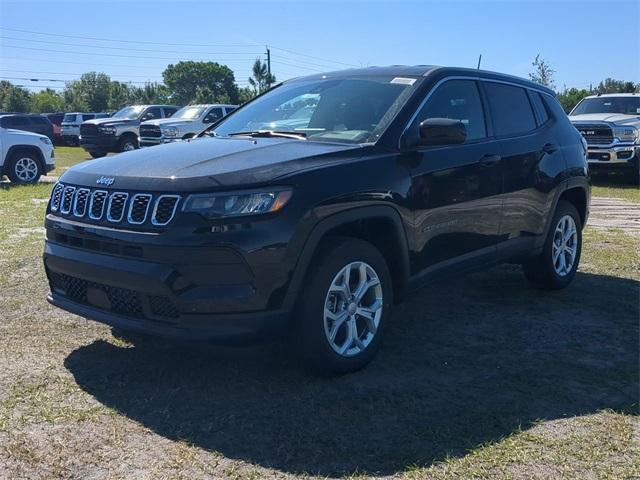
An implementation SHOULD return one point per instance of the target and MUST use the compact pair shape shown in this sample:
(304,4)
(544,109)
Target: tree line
(183,83)
(543,74)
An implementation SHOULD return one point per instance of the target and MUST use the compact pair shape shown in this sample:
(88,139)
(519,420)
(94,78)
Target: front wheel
(128,144)
(343,308)
(556,266)
(24,168)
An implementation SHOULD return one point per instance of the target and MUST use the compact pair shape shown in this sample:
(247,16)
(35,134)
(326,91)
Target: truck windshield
(189,113)
(349,110)
(129,113)
(69,118)
(623,105)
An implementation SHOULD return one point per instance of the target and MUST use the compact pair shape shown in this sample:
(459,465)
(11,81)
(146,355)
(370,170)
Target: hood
(24,133)
(166,122)
(616,118)
(210,163)
(111,121)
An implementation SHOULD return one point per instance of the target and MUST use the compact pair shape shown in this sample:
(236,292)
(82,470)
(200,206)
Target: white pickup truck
(25,156)
(610,123)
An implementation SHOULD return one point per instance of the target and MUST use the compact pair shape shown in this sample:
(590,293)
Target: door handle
(490,160)
(550,148)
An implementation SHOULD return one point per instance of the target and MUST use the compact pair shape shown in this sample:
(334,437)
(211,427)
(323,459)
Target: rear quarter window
(510,108)
(539,107)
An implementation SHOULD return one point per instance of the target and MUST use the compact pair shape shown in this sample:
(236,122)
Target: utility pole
(268,60)
(479,60)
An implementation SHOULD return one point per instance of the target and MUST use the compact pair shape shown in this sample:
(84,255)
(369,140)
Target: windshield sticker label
(403,81)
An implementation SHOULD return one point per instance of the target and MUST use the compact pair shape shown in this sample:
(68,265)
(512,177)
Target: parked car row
(147,125)
(71,125)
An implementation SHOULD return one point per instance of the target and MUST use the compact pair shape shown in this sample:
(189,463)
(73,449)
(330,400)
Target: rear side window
(17,121)
(39,120)
(510,109)
(538,105)
(457,100)
(214,115)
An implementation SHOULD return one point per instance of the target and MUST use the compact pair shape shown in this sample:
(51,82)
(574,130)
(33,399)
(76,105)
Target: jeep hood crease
(207,163)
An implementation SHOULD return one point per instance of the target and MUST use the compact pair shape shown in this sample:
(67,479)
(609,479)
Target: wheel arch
(25,148)
(380,225)
(578,197)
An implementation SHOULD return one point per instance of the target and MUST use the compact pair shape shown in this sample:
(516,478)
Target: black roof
(427,70)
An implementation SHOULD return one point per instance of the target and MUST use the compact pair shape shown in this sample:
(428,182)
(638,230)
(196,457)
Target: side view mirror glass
(442,131)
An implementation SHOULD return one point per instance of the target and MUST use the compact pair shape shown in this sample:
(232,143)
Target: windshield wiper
(270,133)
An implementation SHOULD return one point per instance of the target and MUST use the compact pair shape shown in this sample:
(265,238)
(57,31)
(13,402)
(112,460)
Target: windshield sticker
(404,81)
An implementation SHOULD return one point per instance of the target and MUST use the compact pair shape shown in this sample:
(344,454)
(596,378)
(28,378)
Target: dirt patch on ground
(607,213)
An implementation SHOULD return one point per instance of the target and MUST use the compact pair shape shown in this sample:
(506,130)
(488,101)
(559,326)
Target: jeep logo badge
(108,181)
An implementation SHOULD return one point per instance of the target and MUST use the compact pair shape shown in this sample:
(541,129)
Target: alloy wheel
(26,169)
(565,245)
(353,309)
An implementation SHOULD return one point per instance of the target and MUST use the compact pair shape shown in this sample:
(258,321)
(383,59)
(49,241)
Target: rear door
(456,189)
(530,156)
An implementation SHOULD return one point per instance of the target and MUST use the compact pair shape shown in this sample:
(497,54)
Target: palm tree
(261,79)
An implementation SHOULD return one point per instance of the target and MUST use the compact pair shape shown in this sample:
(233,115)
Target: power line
(59,73)
(297,66)
(108,54)
(128,48)
(146,42)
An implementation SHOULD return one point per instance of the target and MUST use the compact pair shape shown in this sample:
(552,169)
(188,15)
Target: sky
(57,40)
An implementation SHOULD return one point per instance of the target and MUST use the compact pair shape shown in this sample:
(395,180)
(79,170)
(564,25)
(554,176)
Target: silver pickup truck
(610,123)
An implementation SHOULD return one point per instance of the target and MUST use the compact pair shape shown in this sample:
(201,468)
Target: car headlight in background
(107,130)
(170,132)
(45,140)
(237,204)
(625,134)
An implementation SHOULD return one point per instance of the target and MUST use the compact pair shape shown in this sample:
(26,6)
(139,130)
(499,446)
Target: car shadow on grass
(465,362)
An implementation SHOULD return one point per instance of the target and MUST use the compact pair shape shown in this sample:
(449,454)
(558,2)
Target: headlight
(170,131)
(237,204)
(625,134)
(107,130)
(45,140)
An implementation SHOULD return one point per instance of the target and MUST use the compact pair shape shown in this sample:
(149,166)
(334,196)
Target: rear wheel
(24,168)
(343,308)
(556,266)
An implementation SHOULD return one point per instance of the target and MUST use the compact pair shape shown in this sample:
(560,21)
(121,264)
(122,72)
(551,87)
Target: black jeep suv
(318,205)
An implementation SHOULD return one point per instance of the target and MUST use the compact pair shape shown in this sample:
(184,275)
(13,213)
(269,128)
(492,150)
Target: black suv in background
(120,132)
(317,206)
(35,123)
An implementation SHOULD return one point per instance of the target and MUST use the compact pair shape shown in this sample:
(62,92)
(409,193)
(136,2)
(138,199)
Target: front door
(456,189)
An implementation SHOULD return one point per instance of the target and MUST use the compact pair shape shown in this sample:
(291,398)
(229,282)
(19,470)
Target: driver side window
(457,100)
(151,114)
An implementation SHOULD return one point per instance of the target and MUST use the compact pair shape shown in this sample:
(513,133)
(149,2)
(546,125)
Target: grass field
(480,377)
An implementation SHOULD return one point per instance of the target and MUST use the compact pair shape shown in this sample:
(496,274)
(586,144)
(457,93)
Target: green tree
(261,80)
(13,99)
(47,100)
(611,85)
(151,93)
(215,82)
(119,95)
(542,72)
(93,90)
(245,94)
(569,98)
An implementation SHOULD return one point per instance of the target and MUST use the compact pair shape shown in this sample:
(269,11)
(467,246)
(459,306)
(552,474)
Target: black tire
(540,270)
(308,338)
(16,168)
(127,141)
(95,154)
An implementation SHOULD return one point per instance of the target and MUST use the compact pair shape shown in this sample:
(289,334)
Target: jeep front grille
(113,207)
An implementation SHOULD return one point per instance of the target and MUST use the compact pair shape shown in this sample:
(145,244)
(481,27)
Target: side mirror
(442,131)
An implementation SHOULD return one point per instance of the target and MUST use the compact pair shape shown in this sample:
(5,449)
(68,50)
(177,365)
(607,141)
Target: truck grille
(88,130)
(150,131)
(105,207)
(595,134)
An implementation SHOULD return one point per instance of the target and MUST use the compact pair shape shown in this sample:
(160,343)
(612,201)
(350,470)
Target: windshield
(189,113)
(69,118)
(623,105)
(351,110)
(129,113)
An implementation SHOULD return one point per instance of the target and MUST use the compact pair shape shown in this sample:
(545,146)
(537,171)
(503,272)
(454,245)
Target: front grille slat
(113,207)
(595,134)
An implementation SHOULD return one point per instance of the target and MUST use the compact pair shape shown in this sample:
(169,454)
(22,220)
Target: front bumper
(196,293)
(152,141)
(99,143)
(619,155)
